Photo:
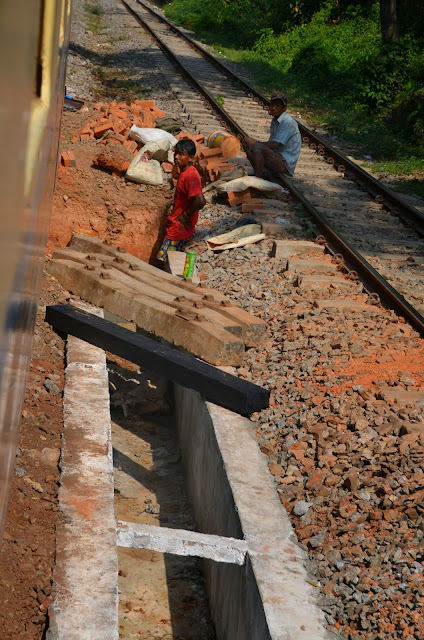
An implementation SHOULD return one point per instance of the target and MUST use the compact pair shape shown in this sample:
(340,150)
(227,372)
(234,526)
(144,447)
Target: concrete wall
(232,494)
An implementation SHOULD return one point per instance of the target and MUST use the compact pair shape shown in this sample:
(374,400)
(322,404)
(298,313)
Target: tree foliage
(334,48)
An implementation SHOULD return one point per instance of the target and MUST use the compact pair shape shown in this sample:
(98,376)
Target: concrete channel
(171,526)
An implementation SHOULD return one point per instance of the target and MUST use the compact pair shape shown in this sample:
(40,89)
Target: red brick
(131,145)
(238,197)
(145,119)
(118,113)
(97,107)
(156,113)
(146,104)
(225,166)
(119,128)
(214,162)
(205,152)
(86,129)
(101,129)
(67,158)
(184,135)
(111,135)
(167,167)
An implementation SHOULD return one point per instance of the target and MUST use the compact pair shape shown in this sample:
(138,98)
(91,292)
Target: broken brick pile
(111,124)
(114,120)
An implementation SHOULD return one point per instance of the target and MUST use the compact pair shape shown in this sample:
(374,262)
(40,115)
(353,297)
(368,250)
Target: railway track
(379,235)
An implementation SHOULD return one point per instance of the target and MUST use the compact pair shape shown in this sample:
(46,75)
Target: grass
(411,167)
(94,17)
(117,39)
(413,187)
(93,9)
(305,220)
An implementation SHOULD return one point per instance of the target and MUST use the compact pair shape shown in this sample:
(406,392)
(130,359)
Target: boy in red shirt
(188,200)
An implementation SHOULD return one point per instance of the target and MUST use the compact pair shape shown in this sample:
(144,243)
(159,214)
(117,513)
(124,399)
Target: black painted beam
(215,385)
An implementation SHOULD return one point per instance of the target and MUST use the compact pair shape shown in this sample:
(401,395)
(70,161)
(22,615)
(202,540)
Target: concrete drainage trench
(171,526)
(161,595)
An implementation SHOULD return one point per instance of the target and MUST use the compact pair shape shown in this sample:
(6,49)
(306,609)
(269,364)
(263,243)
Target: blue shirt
(286,131)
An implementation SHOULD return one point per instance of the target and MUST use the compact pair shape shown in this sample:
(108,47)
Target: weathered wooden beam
(215,385)
(191,331)
(253,329)
(148,286)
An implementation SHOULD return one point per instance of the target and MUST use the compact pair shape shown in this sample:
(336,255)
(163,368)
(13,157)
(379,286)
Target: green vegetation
(220,100)
(305,220)
(94,9)
(94,17)
(330,58)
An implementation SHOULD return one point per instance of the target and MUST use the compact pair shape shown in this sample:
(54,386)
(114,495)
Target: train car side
(34,38)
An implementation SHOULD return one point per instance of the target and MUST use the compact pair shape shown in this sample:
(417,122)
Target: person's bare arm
(197,204)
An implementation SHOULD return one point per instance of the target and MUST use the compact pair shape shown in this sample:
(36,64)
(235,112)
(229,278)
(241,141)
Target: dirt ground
(28,547)
(90,200)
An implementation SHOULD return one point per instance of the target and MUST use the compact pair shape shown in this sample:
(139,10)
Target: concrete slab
(404,396)
(277,229)
(320,282)
(85,605)
(181,542)
(290,248)
(315,266)
(232,494)
(337,303)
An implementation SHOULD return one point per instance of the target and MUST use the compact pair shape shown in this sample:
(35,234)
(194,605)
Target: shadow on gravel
(414,187)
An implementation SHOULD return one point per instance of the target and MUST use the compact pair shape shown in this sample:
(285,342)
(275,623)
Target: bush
(329,55)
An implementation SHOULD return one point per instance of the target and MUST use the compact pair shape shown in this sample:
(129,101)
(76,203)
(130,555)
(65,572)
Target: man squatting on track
(281,152)
(188,200)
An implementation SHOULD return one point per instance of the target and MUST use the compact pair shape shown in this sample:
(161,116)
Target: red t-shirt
(188,186)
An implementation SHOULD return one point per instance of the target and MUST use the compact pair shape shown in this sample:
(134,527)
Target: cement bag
(247,234)
(144,171)
(240,184)
(156,150)
(140,134)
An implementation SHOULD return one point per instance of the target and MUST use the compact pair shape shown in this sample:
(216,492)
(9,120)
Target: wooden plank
(146,286)
(192,332)
(253,329)
(215,385)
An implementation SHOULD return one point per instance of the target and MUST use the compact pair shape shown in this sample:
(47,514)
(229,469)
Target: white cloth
(286,131)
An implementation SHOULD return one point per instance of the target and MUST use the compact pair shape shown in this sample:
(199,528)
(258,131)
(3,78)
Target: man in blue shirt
(281,152)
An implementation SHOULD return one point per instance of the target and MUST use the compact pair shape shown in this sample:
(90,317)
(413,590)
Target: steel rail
(366,272)
(403,210)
